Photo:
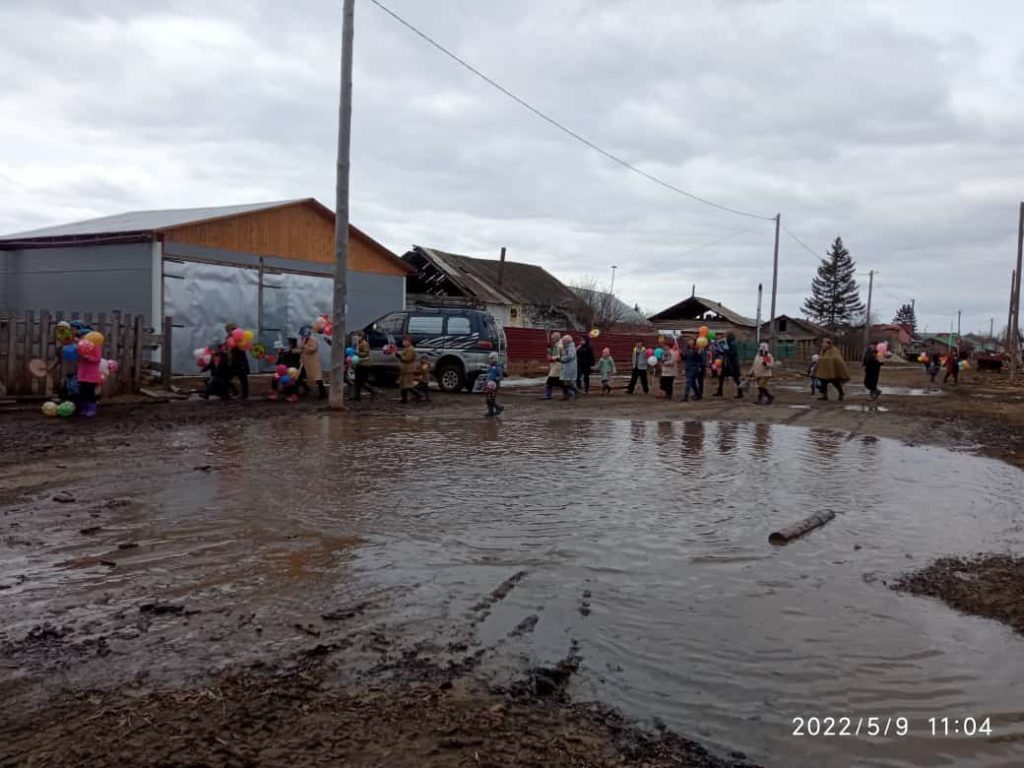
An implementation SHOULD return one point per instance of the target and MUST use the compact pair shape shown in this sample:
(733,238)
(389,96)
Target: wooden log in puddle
(797,530)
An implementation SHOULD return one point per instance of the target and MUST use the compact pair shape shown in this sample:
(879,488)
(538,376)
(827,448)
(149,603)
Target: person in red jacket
(90,353)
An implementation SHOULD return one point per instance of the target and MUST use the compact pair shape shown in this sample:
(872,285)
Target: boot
(548,392)
(490,409)
(498,409)
(321,390)
(841,393)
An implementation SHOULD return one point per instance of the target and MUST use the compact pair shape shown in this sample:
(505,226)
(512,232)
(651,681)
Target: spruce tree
(905,316)
(835,298)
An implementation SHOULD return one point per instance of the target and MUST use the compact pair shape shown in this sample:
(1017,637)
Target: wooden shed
(265,266)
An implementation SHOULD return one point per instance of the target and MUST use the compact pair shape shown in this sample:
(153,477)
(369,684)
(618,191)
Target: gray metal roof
(144,221)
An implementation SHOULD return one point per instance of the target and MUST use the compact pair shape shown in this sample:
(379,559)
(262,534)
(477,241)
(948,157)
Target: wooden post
(46,341)
(137,352)
(116,353)
(797,530)
(165,354)
(867,317)
(1012,331)
(341,221)
(775,284)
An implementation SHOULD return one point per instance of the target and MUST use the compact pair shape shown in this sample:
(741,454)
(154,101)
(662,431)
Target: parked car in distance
(457,341)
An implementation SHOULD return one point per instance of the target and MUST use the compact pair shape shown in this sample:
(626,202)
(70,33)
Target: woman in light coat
(311,368)
(568,368)
(554,365)
(761,373)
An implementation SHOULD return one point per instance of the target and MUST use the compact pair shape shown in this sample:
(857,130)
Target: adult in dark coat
(872,370)
(730,366)
(584,363)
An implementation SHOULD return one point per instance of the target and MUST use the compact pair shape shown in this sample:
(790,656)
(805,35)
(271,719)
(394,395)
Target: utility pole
(341,218)
(1012,331)
(759,292)
(867,317)
(958,313)
(991,328)
(775,285)
(612,289)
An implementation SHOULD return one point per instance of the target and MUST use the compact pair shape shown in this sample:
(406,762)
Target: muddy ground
(351,690)
(988,585)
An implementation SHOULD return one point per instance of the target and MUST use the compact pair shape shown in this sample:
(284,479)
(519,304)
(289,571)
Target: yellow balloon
(247,336)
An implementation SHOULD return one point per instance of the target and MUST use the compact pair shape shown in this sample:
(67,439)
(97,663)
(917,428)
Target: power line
(696,248)
(570,132)
(801,243)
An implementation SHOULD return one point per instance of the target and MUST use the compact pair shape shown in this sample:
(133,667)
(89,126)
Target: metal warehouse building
(266,266)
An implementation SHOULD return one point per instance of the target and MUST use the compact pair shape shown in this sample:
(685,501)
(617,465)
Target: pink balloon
(282,370)
(238,334)
(230,343)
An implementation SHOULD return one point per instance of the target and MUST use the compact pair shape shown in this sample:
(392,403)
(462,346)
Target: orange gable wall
(300,231)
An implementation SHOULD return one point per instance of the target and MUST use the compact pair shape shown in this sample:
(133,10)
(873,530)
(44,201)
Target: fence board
(26,336)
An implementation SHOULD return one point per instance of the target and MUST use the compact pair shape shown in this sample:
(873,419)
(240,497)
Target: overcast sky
(897,125)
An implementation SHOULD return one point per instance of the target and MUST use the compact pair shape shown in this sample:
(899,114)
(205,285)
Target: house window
(425,325)
(781,324)
(458,326)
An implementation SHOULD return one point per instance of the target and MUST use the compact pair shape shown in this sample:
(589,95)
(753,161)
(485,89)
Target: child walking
(667,378)
(423,379)
(761,372)
(606,367)
(90,353)
(495,373)
(407,378)
(812,374)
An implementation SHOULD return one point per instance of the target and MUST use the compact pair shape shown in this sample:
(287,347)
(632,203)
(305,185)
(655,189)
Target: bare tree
(594,308)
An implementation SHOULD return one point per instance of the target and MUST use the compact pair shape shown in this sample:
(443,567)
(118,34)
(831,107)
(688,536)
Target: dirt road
(124,647)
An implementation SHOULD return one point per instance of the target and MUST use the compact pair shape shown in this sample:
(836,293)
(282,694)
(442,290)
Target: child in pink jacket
(89,355)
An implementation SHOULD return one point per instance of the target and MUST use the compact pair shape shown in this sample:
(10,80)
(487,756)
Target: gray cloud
(901,131)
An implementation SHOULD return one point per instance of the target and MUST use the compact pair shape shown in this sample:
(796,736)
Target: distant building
(796,338)
(518,295)
(896,336)
(265,266)
(690,314)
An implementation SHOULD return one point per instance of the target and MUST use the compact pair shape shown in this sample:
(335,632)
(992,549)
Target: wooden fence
(29,336)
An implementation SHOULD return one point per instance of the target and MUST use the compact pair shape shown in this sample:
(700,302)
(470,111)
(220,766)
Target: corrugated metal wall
(201,297)
(96,278)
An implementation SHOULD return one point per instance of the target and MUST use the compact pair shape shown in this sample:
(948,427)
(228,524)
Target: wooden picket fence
(28,336)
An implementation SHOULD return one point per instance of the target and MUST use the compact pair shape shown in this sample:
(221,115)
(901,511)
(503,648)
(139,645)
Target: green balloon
(712,335)
(65,409)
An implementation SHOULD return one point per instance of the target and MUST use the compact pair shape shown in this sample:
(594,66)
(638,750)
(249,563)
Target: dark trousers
(835,383)
(423,388)
(86,396)
(362,381)
(955,373)
(691,386)
(698,384)
(243,384)
(583,380)
(728,373)
(406,391)
(667,384)
(636,374)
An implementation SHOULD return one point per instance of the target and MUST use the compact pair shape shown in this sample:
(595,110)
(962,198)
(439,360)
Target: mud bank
(988,585)
(297,717)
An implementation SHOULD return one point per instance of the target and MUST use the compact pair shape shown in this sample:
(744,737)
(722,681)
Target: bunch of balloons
(964,365)
(286,376)
(390,349)
(881,350)
(65,409)
(595,332)
(922,358)
(323,325)
(203,356)
(240,339)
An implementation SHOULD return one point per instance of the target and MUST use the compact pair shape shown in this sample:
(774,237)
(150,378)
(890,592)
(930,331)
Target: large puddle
(647,542)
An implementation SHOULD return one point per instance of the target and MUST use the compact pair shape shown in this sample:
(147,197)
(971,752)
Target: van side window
(458,326)
(425,325)
(390,324)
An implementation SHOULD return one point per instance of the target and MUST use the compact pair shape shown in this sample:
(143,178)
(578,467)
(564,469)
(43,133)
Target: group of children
(79,358)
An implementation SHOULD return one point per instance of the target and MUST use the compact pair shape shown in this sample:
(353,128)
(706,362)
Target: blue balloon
(349,351)
(286,380)
(69,352)
(659,353)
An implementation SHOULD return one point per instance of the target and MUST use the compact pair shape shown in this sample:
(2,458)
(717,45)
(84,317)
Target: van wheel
(451,378)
